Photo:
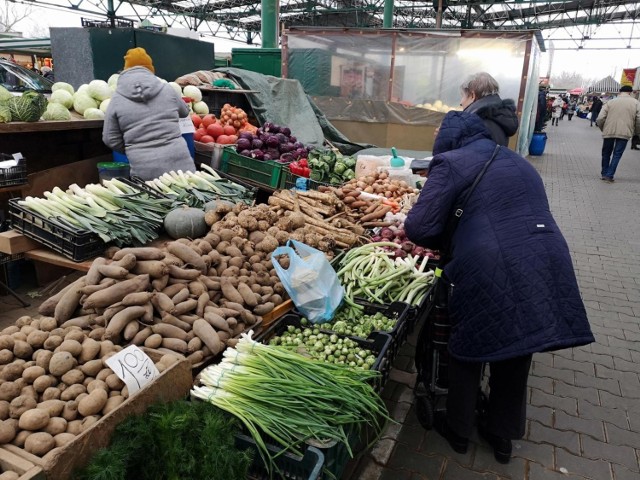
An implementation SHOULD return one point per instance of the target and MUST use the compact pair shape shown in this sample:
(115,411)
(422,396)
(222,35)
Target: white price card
(133,367)
(186,125)
(18,156)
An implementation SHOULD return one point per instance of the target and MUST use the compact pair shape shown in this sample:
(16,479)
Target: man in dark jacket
(513,290)
(596,107)
(480,96)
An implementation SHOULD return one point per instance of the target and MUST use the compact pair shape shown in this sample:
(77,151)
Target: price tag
(133,367)
(186,125)
(18,156)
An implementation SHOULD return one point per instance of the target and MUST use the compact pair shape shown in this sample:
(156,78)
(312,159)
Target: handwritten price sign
(133,367)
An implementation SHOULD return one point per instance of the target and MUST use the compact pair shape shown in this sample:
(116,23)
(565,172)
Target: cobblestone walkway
(584,403)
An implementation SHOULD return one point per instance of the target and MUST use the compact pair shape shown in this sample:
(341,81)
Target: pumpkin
(185,222)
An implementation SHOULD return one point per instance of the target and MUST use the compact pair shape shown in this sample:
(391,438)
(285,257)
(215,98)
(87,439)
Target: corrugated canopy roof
(606,85)
(37,46)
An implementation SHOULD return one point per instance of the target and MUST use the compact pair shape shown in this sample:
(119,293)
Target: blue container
(188,137)
(538,142)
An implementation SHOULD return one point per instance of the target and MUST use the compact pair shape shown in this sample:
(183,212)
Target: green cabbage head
(5,113)
(56,111)
(62,97)
(4,94)
(62,86)
(99,90)
(93,114)
(83,101)
(27,108)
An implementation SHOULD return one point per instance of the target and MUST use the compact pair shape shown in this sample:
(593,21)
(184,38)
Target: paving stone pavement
(584,403)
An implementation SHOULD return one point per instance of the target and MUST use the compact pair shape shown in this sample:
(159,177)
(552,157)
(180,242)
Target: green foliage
(173,441)
(331,166)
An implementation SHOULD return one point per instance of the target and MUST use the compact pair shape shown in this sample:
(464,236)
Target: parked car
(17,79)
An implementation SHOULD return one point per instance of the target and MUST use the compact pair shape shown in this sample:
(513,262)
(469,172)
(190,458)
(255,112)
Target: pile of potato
(55,383)
(188,297)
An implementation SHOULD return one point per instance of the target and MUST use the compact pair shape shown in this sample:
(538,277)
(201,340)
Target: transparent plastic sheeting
(413,78)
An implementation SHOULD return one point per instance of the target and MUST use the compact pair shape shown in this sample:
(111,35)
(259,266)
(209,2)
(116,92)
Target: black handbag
(435,332)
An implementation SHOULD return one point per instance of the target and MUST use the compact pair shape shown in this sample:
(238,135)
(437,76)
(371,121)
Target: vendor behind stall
(142,120)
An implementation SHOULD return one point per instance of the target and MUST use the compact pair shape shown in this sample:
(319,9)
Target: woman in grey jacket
(142,120)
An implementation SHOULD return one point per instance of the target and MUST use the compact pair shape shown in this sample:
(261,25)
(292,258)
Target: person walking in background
(619,120)
(571,109)
(564,107)
(557,110)
(596,106)
(541,111)
(512,288)
(480,95)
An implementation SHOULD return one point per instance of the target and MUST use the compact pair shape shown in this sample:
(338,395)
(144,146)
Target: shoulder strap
(452,224)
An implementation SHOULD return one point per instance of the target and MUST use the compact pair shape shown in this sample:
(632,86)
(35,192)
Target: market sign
(628,77)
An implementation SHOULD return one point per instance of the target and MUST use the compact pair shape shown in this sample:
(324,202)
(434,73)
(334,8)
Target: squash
(185,222)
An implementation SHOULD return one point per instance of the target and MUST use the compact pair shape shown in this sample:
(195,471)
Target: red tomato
(223,139)
(198,134)
(208,120)
(206,139)
(215,130)
(229,130)
(195,118)
(233,138)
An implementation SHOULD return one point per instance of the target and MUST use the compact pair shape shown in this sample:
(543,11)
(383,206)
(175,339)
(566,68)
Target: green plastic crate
(266,173)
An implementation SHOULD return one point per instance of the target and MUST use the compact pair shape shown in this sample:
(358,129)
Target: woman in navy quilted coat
(513,288)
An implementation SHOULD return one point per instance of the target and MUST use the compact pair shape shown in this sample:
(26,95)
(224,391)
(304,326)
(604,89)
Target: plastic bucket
(109,170)
(538,142)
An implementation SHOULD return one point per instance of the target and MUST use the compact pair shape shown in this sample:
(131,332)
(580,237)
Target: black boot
(501,446)
(458,443)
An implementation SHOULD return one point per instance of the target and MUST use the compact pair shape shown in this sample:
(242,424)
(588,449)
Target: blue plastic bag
(310,281)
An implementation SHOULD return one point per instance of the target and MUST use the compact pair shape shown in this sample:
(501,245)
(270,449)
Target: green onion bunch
(198,188)
(371,272)
(116,211)
(285,397)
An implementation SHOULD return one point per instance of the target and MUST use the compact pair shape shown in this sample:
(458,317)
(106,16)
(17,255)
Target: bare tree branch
(10,15)
(571,80)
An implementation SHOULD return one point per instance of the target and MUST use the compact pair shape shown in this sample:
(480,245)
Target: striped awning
(606,85)
(38,46)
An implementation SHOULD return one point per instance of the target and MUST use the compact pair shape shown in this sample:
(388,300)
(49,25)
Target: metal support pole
(387,20)
(111,14)
(269,26)
(439,15)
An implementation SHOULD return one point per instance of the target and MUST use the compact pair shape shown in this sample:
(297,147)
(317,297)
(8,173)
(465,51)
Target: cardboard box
(60,463)
(10,462)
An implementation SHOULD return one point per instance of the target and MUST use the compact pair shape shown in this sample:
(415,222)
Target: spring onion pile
(326,347)
(348,322)
(196,189)
(371,272)
(284,397)
(116,211)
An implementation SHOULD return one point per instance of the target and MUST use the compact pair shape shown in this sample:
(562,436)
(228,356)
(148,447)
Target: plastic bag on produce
(310,281)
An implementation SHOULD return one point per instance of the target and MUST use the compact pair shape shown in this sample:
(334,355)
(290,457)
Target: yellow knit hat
(138,57)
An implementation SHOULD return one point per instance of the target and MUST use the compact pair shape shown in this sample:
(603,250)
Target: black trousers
(507,397)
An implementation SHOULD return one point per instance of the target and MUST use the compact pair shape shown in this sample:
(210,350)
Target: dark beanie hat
(626,88)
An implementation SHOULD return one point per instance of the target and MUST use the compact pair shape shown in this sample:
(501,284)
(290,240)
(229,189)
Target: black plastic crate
(13,175)
(398,333)
(77,245)
(290,466)
(380,344)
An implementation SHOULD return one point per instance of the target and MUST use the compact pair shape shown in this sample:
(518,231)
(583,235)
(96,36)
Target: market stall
(186,287)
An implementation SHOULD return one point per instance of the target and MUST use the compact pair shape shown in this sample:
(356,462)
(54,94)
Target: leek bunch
(115,211)
(291,399)
(370,272)
(197,189)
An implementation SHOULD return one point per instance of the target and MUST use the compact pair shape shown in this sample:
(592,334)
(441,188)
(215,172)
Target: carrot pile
(369,199)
